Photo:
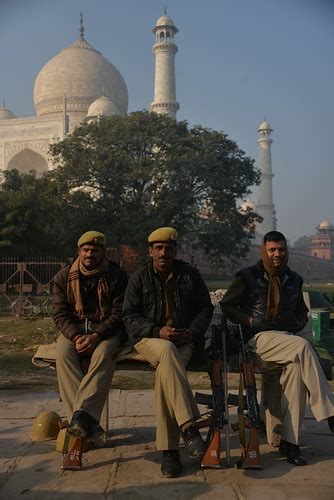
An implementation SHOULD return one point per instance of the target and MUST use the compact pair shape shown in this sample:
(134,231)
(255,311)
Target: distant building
(322,243)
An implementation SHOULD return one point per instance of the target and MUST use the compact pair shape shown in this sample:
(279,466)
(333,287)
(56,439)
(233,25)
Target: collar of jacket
(180,268)
(260,268)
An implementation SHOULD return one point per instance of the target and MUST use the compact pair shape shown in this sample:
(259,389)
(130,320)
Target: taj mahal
(80,85)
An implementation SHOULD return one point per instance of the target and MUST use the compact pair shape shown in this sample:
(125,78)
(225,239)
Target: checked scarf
(74,292)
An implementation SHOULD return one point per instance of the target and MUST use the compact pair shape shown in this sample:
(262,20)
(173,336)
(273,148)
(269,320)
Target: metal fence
(32,279)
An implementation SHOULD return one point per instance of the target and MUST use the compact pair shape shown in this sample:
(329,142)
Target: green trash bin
(320,325)
(323,339)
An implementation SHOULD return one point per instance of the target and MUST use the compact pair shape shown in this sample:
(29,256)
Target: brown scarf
(275,274)
(74,293)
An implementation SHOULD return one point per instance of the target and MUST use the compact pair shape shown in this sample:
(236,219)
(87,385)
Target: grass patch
(19,340)
(16,362)
(217,283)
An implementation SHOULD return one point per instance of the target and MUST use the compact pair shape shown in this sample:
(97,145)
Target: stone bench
(271,393)
(129,359)
(126,359)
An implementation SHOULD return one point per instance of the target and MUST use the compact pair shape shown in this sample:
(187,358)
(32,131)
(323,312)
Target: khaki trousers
(175,403)
(80,391)
(302,375)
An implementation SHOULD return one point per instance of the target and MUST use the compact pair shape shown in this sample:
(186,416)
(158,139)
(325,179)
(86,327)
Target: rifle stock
(252,459)
(212,455)
(217,403)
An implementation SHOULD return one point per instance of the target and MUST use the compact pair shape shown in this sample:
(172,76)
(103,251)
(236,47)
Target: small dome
(165,21)
(103,106)
(326,224)
(6,114)
(265,126)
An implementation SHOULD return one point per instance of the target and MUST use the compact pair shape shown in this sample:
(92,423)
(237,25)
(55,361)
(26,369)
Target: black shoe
(95,430)
(80,423)
(330,421)
(292,453)
(170,464)
(193,443)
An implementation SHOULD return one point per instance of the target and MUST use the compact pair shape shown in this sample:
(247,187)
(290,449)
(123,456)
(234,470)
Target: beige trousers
(80,391)
(175,403)
(302,375)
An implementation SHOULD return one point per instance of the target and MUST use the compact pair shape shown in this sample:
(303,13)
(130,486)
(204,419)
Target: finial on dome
(82,29)
(103,90)
(165,10)
(4,102)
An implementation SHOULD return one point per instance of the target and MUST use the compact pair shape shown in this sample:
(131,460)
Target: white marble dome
(103,106)
(81,74)
(265,126)
(5,113)
(326,224)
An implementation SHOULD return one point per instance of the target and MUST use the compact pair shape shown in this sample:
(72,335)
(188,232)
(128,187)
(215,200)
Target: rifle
(250,454)
(217,418)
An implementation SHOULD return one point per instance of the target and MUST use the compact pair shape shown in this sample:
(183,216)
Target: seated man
(87,299)
(167,310)
(267,300)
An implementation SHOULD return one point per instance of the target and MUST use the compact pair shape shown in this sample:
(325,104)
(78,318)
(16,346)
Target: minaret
(165,50)
(265,206)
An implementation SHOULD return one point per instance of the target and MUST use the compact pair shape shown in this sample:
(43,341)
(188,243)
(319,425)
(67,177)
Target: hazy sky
(238,62)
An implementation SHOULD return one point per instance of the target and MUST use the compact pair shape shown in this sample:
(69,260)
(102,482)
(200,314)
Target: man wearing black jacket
(166,311)
(267,300)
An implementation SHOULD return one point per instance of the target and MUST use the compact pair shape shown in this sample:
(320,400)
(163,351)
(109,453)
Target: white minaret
(165,49)
(265,206)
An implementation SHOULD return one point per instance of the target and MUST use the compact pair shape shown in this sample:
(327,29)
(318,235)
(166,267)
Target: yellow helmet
(46,426)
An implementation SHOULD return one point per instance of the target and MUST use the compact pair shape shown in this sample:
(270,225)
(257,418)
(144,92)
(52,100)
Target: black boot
(292,453)
(95,430)
(193,443)
(80,424)
(330,421)
(170,464)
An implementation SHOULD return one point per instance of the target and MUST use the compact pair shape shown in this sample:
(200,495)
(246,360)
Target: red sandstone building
(322,243)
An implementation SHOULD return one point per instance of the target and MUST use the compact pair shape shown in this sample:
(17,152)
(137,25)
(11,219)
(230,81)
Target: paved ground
(129,467)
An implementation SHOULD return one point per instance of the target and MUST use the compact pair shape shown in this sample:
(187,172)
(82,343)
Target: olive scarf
(276,275)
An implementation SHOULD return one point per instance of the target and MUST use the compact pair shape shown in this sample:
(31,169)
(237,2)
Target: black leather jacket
(250,299)
(143,311)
